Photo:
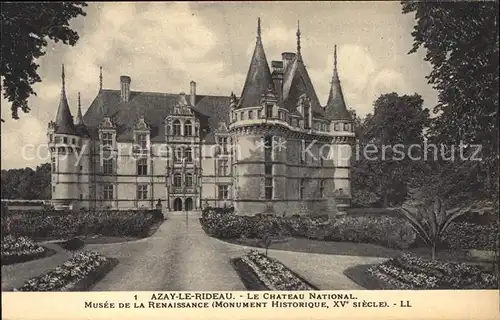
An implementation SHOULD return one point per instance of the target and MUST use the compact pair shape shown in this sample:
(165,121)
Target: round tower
(251,132)
(342,130)
(65,146)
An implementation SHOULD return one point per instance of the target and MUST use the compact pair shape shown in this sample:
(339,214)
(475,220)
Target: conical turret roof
(64,119)
(335,106)
(80,126)
(258,77)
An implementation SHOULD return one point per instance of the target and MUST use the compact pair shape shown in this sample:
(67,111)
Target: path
(180,256)
(15,275)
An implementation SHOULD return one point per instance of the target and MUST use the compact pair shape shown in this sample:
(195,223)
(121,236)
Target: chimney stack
(193,93)
(287,58)
(125,88)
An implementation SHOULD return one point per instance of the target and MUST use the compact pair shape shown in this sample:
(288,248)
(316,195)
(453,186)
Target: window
(142,140)
(189,179)
(54,189)
(107,192)
(337,127)
(223,167)
(322,188)
(188,128)
(222,142)
(142,167)
(269,188)
(177,180)
(50,137)
(65,140)
(259,114)
(268,148)
(347,127)
(142,192)
(58,140)
(242,116)
(301,189)
(250,115)
(302,154)
(269,110)
(177,128)
(196,130)
(223,192)
(268,169)
(107,139)
(107,165)
(53,164)
(178,154)
(188,155)
(235,116)
(307,116)
(280,115)
(73,141)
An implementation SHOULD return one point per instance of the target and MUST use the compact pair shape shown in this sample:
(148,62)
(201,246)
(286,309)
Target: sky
(164,46)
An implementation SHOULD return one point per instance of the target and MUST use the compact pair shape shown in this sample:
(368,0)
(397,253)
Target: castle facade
(274,149)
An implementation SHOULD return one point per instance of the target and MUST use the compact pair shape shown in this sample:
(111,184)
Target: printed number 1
(135,297)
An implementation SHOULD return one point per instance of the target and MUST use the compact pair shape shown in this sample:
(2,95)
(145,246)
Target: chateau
(275,149)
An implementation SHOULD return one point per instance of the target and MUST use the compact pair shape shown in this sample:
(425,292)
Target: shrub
(65,225)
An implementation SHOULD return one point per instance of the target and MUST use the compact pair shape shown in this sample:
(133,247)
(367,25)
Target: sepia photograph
(267,147)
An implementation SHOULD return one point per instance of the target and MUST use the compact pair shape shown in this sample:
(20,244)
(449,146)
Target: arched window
(189,179)
(177,180)
(188,128)
(177,128)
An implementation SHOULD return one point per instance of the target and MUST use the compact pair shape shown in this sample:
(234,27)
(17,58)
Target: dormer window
(142,140)
(107,139)
(269,110)
(188,128)
(176,128)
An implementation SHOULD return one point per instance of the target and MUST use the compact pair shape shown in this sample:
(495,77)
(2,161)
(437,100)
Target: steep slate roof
(296,81)
(335,108)
(155,107)
(64,119)
(80,126)
(258,77)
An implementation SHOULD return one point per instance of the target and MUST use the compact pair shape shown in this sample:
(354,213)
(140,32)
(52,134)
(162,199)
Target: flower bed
(411,272)
(21,249)
(76,274)
(57,224)
(271,274)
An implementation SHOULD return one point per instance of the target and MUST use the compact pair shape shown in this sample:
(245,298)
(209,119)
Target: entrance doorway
(177,204)
(188,204)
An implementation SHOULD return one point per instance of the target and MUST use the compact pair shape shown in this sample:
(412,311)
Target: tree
(26,27)
(461,42)
(27,184)
(397,124)
(431,218)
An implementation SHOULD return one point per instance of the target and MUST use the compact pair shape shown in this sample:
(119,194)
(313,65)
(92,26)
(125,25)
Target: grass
(355,249)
